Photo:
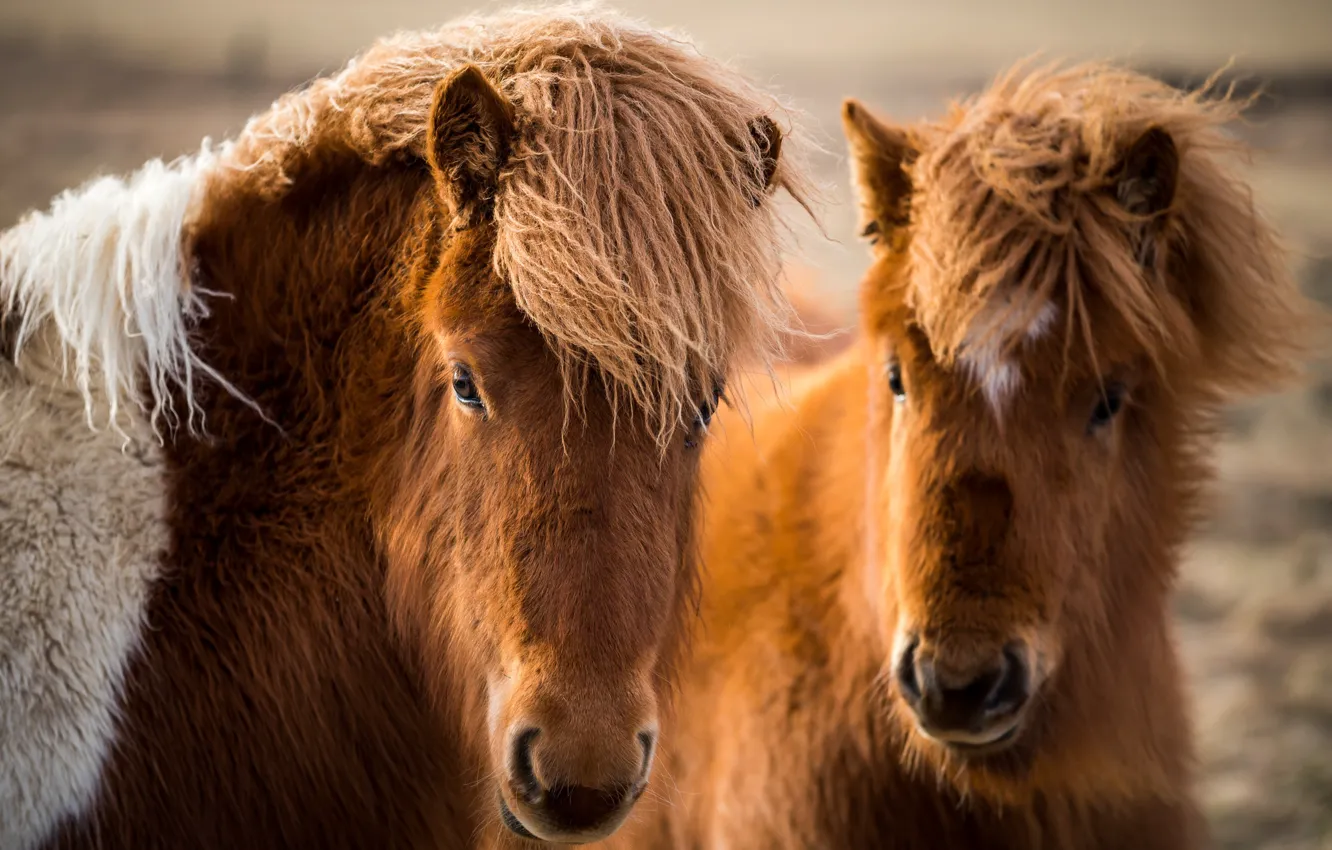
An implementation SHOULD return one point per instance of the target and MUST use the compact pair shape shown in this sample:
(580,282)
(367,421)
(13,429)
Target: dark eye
(464,388)
(706,410)
(1110,403)
(870,233)
(895,381)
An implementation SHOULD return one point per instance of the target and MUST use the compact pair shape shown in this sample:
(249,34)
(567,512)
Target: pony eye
(895,381)
(706,410)
(1110,403)
(464,388)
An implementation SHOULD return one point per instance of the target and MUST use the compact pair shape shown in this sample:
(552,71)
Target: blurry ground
(1255,606)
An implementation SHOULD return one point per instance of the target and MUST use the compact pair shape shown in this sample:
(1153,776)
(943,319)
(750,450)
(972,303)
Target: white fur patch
(105,266)
(100,295)
(82,523)
(985,351)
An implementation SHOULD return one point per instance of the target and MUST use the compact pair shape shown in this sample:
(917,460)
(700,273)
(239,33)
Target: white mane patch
(984,353)
(105,266)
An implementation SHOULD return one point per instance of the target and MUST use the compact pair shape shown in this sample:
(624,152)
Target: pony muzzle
(973,704)
(536,803)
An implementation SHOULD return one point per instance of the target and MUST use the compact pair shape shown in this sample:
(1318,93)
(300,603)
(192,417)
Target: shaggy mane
(1015,210)
(626,220)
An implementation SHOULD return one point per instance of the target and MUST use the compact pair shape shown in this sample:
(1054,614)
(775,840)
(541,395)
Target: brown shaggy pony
(446,329)
(936,596)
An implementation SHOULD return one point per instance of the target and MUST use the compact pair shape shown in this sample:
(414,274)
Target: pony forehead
(625,222)
(989,354)
(1015,224)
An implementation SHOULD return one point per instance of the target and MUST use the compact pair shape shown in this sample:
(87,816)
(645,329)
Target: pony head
(1067,281)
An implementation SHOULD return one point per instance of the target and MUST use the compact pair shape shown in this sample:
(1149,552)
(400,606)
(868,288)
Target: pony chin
(1009,777)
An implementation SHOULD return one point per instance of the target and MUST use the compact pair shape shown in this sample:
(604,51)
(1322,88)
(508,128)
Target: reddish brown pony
(467,307)
(936,598)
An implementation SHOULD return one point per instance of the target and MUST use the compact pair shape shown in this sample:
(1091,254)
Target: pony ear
(879,156)
(1147,174)
(467,143)
(768,140)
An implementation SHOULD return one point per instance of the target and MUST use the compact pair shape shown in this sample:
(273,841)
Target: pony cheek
(1069,569)
(1047,654)
(895,614)
(885,559)
(884,595)
(499,687)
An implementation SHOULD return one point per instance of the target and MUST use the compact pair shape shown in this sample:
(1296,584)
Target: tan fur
(858,530)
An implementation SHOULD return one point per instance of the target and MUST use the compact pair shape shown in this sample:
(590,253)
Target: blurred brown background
(96,86)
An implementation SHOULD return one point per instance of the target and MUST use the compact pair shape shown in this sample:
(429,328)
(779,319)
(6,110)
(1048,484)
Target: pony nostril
(648,741)
(908,679)
(1013,685)
(521,769)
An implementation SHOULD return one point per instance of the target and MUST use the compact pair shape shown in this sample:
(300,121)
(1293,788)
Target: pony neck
(318,330)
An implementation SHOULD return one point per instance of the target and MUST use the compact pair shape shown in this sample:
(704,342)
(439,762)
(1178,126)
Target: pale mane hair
(628,217)
(103,268)
(1016,209)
